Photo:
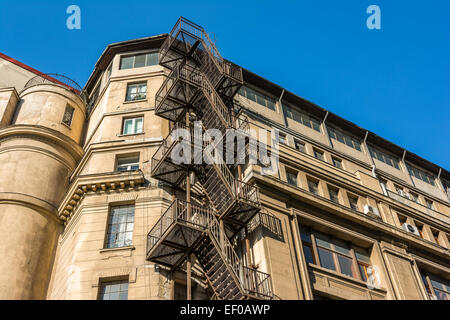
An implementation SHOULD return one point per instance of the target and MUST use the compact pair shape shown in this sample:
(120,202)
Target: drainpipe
(374,167)
(281,108)
(324,127)
(407,171)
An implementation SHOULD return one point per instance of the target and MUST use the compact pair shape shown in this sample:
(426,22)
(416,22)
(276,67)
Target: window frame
(314,246)
(316,152)
(302,117)
(291,173)
(72,114)
(298,142)
(133,119)
(110,224)
(253,95)
(146,63)
(347,139)
(130,164)
(110,282)
(137,93)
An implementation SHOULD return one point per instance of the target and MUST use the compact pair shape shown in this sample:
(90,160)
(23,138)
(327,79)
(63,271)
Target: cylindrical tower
(38,152)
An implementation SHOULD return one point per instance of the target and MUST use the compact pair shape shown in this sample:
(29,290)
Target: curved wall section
(44,105)
(38,154)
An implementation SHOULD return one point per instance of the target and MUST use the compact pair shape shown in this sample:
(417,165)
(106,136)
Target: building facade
(92,207)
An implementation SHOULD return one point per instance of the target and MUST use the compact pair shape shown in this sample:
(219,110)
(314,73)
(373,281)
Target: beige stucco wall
(38,154)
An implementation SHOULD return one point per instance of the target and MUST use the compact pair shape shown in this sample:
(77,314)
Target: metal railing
(54,78)
(257,283)
(251,281)
(166,145)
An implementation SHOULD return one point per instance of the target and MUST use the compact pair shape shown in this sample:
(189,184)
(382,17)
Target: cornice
(91,184)
(44,134)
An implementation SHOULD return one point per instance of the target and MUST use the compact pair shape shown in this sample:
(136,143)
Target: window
(258,98)
(400,191)
(334,194)
(436,286)
(120,226)
(127,163)
(435,234)
(136,91)
(353,200)
(383,157)
(420,174)
(319,155)
(114,290)
(337,162)
(335,254)
(291,177)
(429,204)
(93,99)
(283,138)
(109,71)
(344,138)
(132,125)
(68,116)
(419,228)
(138,61)
(313,187)
(307,245)
(414,197)
(301,117)
(300,146)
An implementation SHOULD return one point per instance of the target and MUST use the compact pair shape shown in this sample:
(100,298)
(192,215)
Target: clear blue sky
(394,81)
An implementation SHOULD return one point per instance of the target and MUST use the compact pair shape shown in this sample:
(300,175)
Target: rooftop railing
(54,78)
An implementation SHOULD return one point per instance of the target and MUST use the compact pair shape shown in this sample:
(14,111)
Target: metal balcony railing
(54,78)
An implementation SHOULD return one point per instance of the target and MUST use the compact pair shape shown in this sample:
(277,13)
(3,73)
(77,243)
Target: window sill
(66,125)
(135,101)
(130,134)
(107,253)
(343,277)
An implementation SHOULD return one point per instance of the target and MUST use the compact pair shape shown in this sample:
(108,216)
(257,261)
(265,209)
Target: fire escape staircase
(199,82)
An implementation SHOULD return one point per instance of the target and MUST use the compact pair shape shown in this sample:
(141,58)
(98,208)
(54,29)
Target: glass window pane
(152,59)
(126,62)
(305,234)
(139,122)
(308,254)
(362,255)
(346,265)
(323,240)
(128,126)
(139,61)
(341,247)
(251,95)
(326,259)
(363,272)
(271,105)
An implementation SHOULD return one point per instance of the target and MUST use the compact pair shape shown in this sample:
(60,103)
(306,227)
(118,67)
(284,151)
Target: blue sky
(394,81)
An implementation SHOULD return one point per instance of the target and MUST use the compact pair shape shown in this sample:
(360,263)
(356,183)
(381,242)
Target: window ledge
(130,134)
(135,101)
(343,277)
(107,253)
(66,125)
(117,249)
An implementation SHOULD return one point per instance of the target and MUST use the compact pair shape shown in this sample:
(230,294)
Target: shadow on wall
(270,226)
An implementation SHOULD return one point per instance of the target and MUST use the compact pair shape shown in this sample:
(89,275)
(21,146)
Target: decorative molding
(91,184)
(131,272)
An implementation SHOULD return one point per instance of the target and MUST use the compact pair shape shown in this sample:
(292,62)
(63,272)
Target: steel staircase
(201,83)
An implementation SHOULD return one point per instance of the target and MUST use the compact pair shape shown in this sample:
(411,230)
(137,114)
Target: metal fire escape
(217,205)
